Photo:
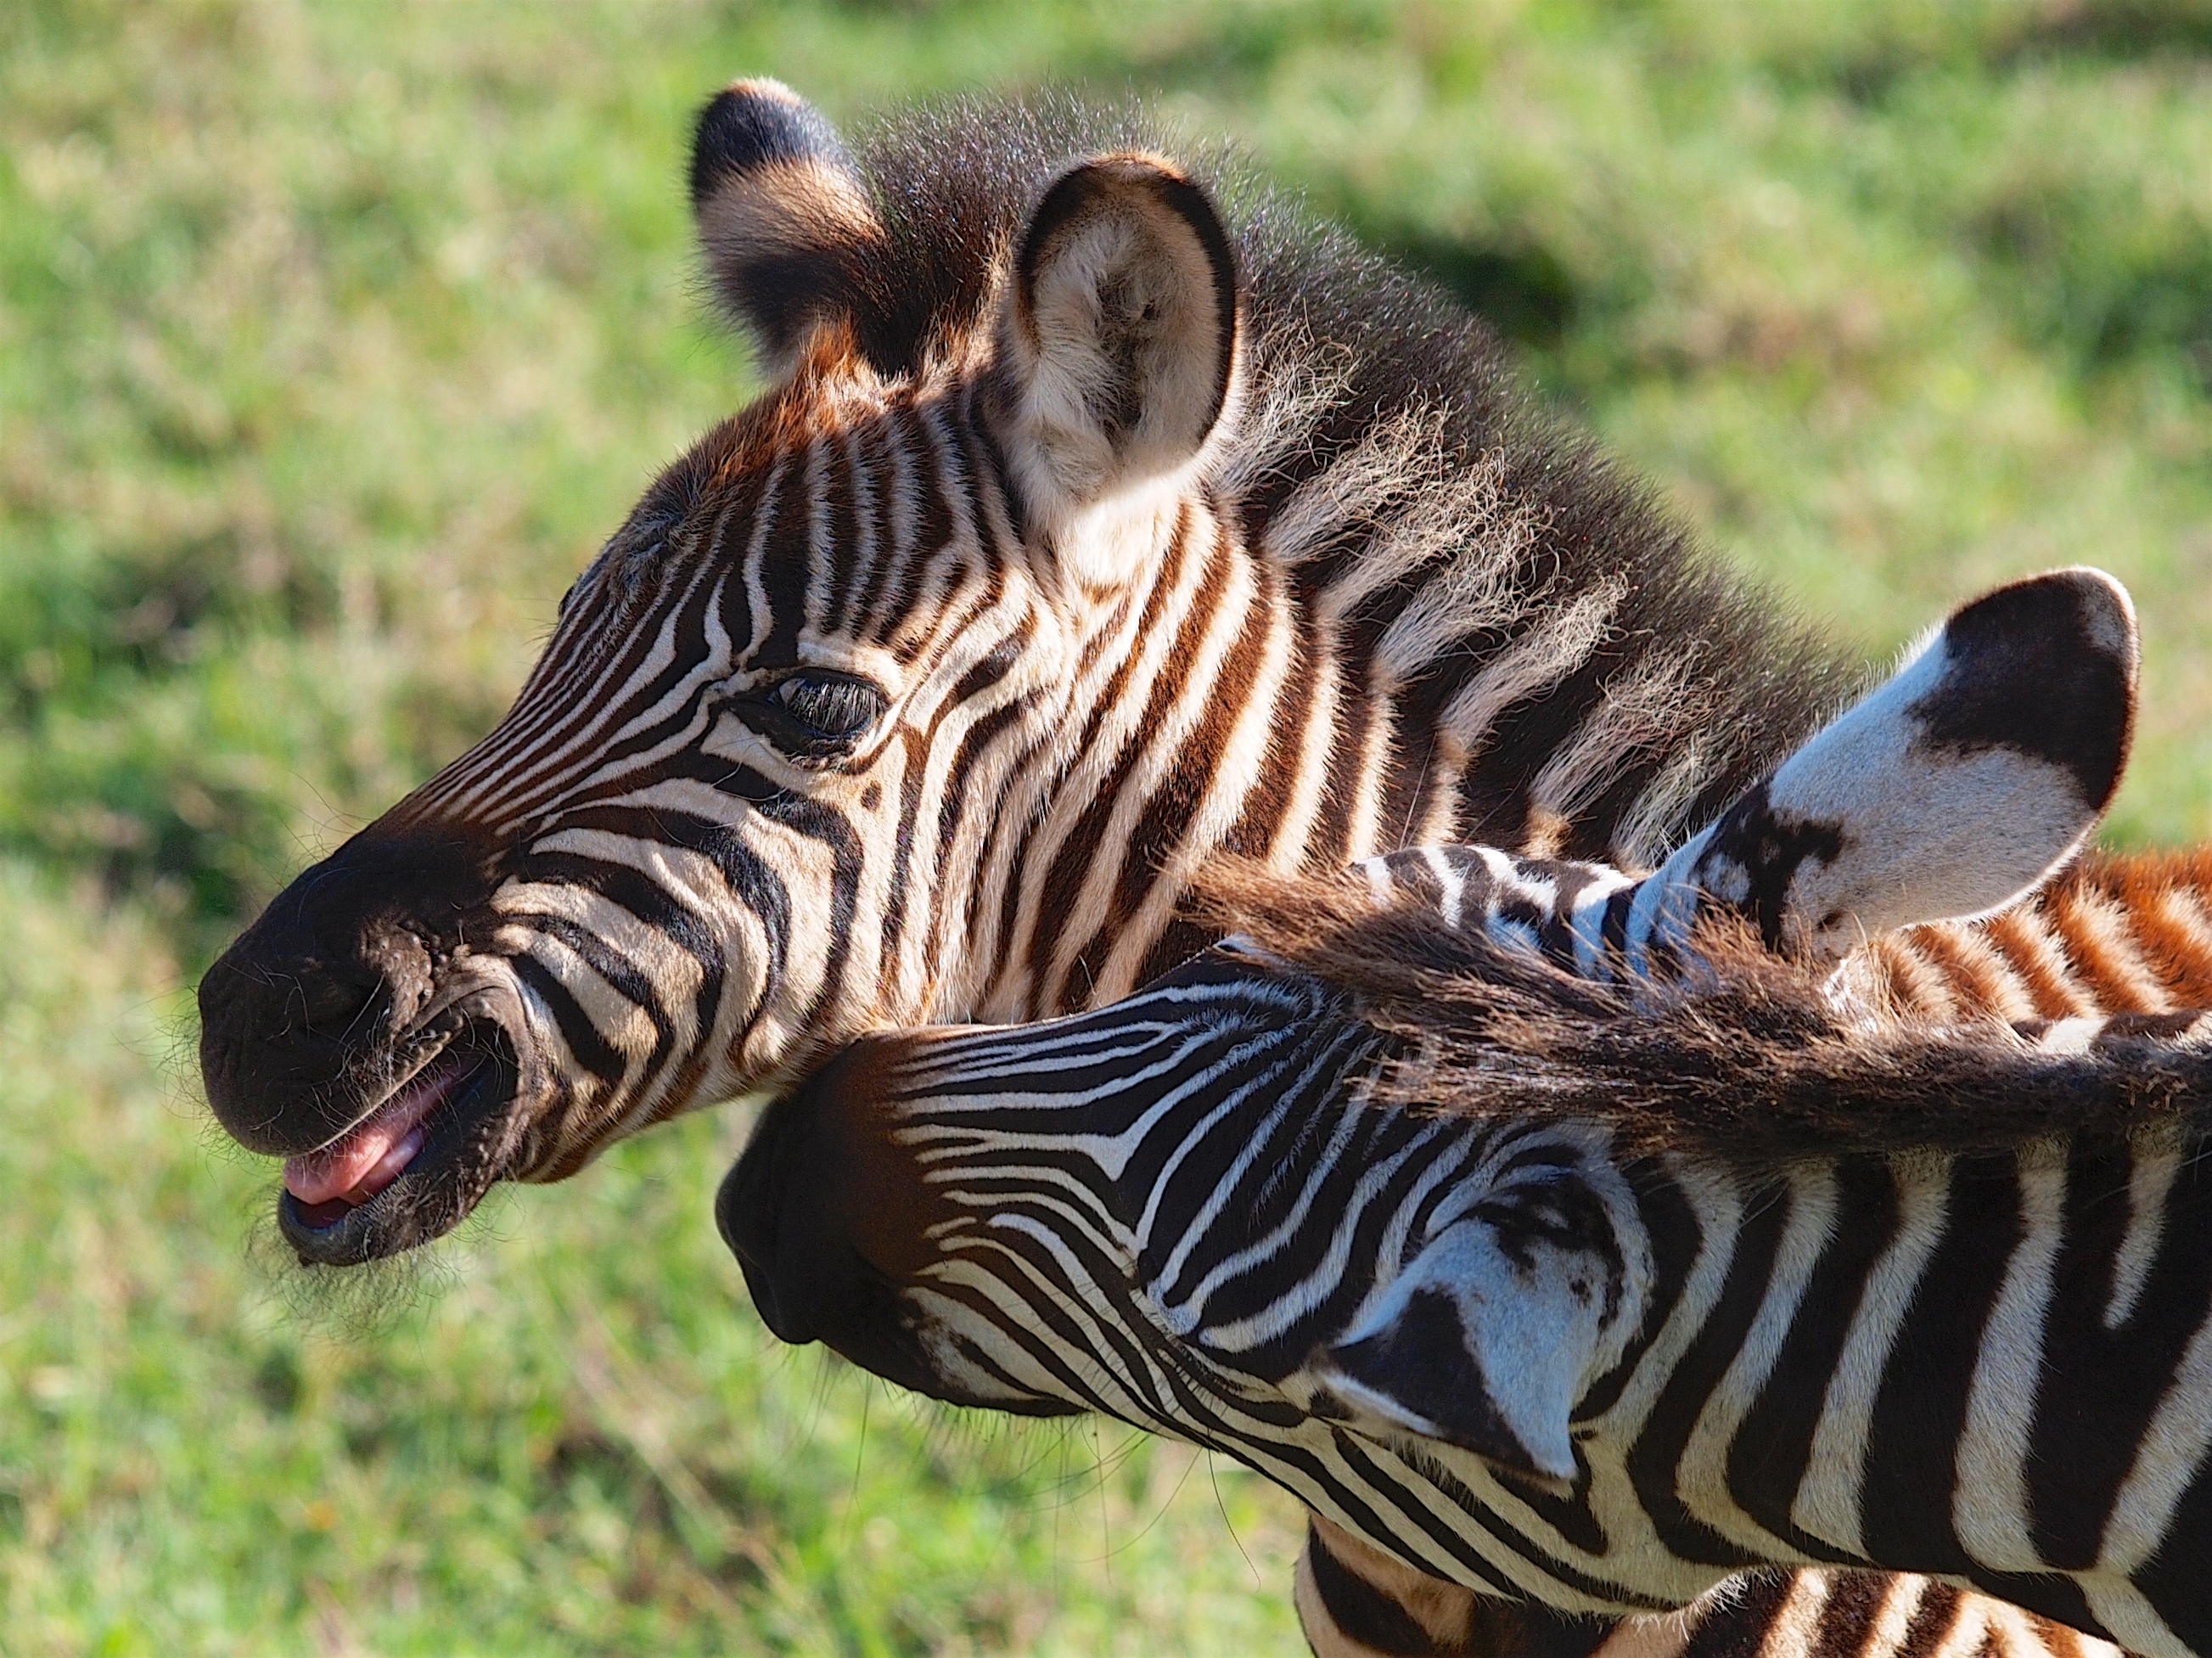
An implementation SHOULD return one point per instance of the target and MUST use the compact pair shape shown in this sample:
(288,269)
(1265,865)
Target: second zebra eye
(815,716)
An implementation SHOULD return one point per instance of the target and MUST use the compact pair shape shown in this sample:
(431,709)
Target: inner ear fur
(791,237)
(1117,337)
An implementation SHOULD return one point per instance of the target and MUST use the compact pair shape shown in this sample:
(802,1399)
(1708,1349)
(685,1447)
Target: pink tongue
(369,1158)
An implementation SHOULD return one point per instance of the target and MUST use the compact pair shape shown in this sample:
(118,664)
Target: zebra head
(1186,1210)
(814,684)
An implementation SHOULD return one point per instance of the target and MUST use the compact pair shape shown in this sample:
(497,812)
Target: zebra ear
(1117,336)
(790,237)
(1955,789)
(1477,1347)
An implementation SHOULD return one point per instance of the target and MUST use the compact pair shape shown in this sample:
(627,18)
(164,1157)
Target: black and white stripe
(1118,538)
(1179,1210)
(925,687)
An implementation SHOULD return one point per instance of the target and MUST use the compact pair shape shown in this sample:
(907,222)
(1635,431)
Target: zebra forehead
(795,506)
(834,392)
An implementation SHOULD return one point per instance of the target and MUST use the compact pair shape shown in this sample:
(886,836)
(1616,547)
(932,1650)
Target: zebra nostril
(331,996)
(402,969)
(298,1017)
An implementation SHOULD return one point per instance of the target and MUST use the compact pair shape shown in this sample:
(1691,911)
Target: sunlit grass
(331,339)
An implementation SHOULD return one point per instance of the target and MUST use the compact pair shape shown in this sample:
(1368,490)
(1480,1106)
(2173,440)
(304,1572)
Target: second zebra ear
(790,235)
(1117,334)
(1482,1342)
(1962,783)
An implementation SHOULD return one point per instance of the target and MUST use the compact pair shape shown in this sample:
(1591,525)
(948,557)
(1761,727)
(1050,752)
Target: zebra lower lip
(373,1153)
(414,1170)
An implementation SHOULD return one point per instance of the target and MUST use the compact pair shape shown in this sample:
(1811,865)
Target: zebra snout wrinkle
(298,1017)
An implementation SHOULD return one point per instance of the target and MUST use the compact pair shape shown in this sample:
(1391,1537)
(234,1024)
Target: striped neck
(1908,1361)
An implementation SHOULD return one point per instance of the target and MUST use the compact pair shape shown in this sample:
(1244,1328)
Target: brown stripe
(2002,992)
(2061,1642)
(1918,984)
(2024,939)
(1933,1620)
(2099,939)
(1741,1624)
(2176,938)
(1940,951)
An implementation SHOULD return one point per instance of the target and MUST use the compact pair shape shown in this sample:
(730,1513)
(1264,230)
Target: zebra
(2113,936)
(1592,1294)
(1086,534)
(1083,537)
(1355,1601)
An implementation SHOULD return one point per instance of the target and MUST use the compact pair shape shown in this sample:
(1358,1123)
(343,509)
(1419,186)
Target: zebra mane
(1748,1060)
(1382,435)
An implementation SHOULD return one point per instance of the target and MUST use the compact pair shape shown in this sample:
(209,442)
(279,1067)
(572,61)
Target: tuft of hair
(785,220)
(1746,1061)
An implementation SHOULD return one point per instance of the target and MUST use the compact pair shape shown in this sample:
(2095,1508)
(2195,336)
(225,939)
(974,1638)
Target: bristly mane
(1381,423)
(1748,1062)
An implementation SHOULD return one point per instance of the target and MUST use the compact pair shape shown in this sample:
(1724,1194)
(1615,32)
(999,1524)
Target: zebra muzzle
(352,1032)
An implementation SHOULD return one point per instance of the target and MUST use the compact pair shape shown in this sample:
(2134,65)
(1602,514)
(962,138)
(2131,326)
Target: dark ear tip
(2049,665)
(1125,166)
(2107,612)
(751,123)
(1123,172)
(2091,605)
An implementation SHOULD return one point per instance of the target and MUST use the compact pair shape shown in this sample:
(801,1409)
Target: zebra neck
(1063,893)
(1927,1362)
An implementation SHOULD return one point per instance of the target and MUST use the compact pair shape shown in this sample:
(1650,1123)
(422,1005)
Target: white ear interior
(1117,338)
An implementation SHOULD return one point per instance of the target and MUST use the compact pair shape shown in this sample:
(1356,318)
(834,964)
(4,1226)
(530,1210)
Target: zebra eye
(814,716)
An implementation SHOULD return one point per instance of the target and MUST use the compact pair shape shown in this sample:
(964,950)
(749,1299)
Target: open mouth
(411,1170)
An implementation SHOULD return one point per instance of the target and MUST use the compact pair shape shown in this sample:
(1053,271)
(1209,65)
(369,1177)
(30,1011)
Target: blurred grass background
(332,336)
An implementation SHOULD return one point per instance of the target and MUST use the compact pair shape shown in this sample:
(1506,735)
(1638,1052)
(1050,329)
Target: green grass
(332,337)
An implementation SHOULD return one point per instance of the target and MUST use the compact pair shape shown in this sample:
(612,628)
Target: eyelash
(815,715)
